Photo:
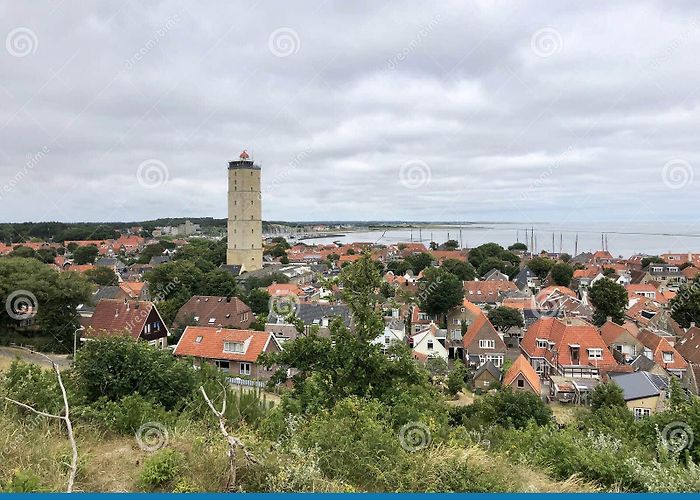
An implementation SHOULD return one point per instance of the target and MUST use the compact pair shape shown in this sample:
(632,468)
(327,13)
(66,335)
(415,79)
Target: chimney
(228,300)
(692,324)
(609,319)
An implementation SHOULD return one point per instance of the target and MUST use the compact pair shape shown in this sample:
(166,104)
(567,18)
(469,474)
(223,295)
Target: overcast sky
(521,111)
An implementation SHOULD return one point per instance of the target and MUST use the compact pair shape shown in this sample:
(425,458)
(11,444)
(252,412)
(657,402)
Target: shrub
(126,415)
(161,468)
(115,367)
(22,482)
(507,408)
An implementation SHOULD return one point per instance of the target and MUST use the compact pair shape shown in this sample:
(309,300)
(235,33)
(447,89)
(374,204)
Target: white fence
(245,382)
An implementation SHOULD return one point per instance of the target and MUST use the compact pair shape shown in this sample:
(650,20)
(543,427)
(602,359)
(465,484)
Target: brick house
(234,352)
(205,310)
(137,318)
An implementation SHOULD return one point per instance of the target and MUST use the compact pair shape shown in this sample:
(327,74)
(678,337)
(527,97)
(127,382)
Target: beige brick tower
(244,214)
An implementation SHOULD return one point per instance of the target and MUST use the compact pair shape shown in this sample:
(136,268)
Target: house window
(245,368)
(237,347)
(542,343)
(641,413)
(487,344)
(595,353)
(212,320)
(198,340)
(430,345)
(487,383)
(668,357)
(222,365)
(521,383)
(386,339)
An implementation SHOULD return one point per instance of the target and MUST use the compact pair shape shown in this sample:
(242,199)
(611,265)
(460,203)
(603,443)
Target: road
(8,354)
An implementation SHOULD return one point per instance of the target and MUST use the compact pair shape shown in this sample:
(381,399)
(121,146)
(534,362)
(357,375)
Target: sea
(620,239)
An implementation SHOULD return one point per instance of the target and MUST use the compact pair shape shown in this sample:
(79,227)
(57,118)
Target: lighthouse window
(252,230)
(252,246)
(251,202)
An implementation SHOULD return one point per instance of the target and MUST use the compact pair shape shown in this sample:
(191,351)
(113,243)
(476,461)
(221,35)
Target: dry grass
(464,398)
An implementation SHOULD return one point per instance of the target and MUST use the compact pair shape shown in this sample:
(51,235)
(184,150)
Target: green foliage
(436,366)
(491,255)
(540,266)
(507,408)
(565,257)
(258,300)
(504,318)
(451,245)
(115,367)
(608,395)
(103,276)
(463,270)
(85,254)
(609,299)
(57,295)
(30,384)
(419,262)
(125,416)
(161,469)
(652,259)
(150,251)
(439,291)
(398,267)
(522,247)
(685,306)
(455,380)
(22,482)
(23,252)
(562,274)
(46,255)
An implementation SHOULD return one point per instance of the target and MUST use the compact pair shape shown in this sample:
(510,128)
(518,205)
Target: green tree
(85,255)
(419,262)
(258,300)
(507,408)
(607,395)
(455,380)
(119,366)
(398,267)
(439,291)
(53,295)
(685,306)
(652,259)
(609,300)
(504,318)
(347,363)
(23,252)
(540,266)
(521,247)
(150,251)
(220,282)
(565,257)
(463,270)
(103,276)
(562,274)
(436,366)
(451,245)
(46,255)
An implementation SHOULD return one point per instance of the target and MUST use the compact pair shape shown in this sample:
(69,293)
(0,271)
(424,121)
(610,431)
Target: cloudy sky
(521,111)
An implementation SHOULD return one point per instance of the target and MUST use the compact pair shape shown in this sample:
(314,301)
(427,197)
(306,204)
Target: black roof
(488,367)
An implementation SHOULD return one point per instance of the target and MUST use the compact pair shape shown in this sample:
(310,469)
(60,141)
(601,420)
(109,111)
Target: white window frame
(595,353)
(487,344)
(231,347)
(245,368)
(641,413)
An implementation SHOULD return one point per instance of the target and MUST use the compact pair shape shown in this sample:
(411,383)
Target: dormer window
(212,321)
(430,345)
(487,344)
(542,343)
(234,347)
(668,357)
(198,340)
(595,353)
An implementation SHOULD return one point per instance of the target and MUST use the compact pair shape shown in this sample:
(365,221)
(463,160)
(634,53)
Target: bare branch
(65,418)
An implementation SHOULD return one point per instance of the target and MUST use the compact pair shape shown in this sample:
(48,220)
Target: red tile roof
(659,345)
(208,342)
(611,331)
(522,366)
(487,291)
(564,335)
(116,315)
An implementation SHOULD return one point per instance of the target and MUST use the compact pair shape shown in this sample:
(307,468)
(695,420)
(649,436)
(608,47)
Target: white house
(426,343)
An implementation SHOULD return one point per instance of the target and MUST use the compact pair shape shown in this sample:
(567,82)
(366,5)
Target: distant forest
(61,231)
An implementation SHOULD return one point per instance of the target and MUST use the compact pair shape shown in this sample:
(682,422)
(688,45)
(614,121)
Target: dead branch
(233,442)
(65,417)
